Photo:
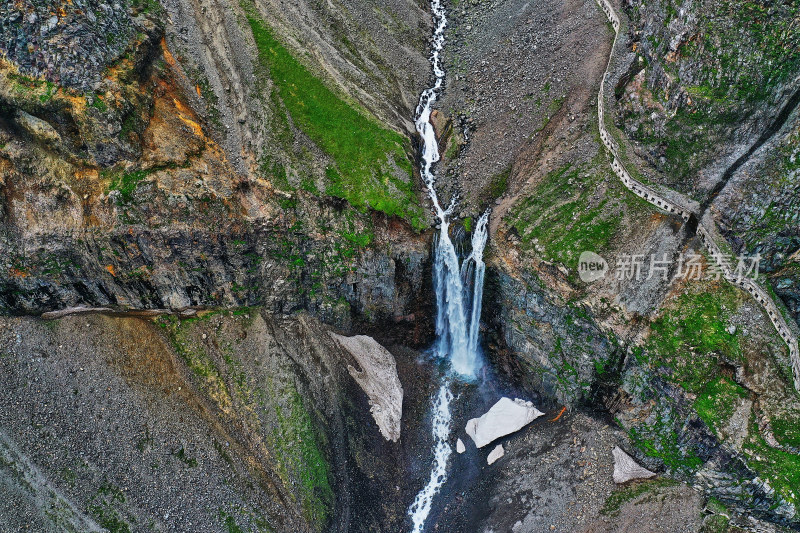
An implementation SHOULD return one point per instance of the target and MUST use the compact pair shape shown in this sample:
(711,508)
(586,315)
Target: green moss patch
(562,218)
(620,497)
(239,520)
(779,468)
(103,508)
(787,430)
(300,455)
(660,440)
(690,338)
(126,183)
(717,401)
(498,184)
(716,524)
(371,168)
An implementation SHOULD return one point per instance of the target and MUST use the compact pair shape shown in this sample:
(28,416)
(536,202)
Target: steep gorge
(224,183)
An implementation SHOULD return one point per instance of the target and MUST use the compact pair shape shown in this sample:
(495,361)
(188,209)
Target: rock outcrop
(70,45)
(378,378)
(705,224)
(225,418)
(141,172)
(155,161)
(505,417)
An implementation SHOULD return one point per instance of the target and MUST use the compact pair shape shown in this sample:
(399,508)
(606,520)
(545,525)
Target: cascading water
(457,333)
(475,262)
(441,453)
(458,309)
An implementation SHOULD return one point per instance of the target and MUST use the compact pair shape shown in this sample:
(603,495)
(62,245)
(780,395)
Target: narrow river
(458,286)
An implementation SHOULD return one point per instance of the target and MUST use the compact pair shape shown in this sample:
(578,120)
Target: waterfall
(479,238)
(458,309)
(457,312)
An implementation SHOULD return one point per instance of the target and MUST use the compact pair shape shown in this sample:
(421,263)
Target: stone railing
(638,188)
(706,229)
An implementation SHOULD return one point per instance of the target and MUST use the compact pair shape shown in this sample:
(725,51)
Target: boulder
(460,448)
(378,379)
(626,469)
(38,128)
(495,454)
(442,126)
(505,417)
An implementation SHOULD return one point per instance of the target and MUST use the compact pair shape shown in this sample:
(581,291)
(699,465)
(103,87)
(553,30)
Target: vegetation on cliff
(697,91)
(211,345)
(371,166)
(692,338)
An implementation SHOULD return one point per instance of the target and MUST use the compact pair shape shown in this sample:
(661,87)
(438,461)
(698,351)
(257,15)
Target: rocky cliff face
(130,195)
(681,365)
(718,121)
(694,102)
(69,44)
(142,173)
(184,157)
(230,421)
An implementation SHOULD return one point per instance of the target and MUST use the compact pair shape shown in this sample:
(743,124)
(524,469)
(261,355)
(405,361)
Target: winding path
(706,228)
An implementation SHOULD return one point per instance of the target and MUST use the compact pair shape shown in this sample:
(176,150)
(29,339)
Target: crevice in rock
(772,129)
(634,68)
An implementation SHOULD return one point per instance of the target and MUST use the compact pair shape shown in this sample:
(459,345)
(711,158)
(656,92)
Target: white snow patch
(378,378)
(626,469)
(505,417)
(495,454)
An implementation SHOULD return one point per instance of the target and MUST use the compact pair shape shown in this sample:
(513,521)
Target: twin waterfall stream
(458,309)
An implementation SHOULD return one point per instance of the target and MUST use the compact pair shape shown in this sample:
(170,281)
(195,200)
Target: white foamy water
(456,326)
(441,453)
(475,261)
(458,309)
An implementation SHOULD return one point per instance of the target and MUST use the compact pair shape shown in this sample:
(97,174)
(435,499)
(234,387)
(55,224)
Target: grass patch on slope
(298,451)
(742,54)
(661,440)
(368,158)
(199,362)
(787,430)
(620,497)
(717,401)
(690,338)
(779,468)
(561,217)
